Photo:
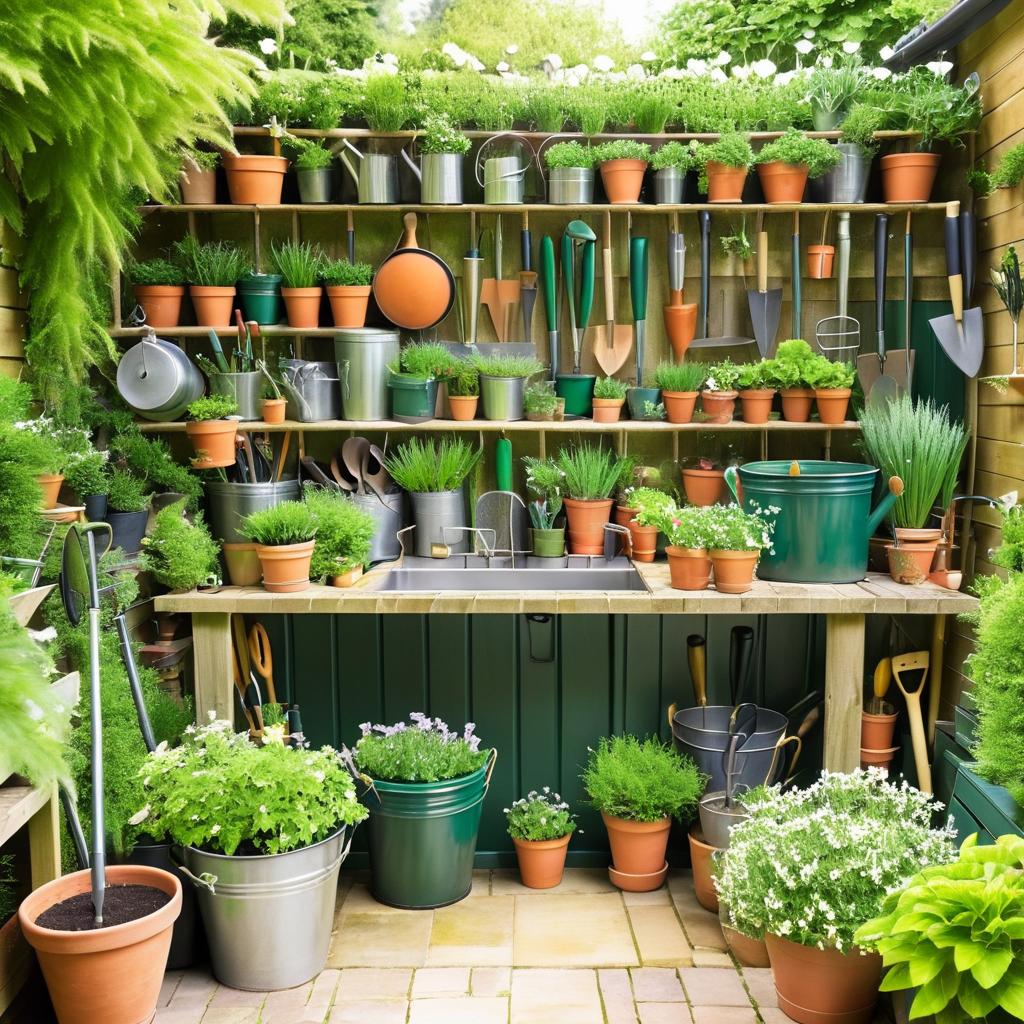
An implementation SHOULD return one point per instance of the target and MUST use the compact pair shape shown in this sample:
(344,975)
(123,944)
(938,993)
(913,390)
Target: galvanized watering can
(440,177)
(376,180)
(503,178)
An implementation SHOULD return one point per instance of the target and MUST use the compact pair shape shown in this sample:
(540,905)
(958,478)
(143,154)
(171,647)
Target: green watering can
(824,520)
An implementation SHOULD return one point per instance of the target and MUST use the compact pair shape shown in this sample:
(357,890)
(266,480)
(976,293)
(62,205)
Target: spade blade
(964,342)
(765,311)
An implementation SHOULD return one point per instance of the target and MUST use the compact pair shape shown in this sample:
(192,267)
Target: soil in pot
(623,180)
(302,306)
(796,404)
(756,404)
(161,303)
(725,184)
(704,486)
(608,410)
(121,904)
(679,405)
(782,183)
(832,404)
(348,304)
(285,566)
(819,261)
(700,861)
(644,541)
(586,522)
(541,861)
(212,305)
(909,177)
(688,568)
(734,570)
(718,405)
(50,483)
(463,407)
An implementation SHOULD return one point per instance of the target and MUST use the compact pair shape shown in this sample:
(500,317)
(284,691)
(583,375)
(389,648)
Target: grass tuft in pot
(298,263)
(591,473)
(284,538)
(180,555)
(508,366)
(425,360)
(423,465)
(210,264)
(344,535)
(680,377)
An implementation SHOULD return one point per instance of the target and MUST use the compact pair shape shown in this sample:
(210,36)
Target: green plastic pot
(548,543)
(636,398)
(578,391)
(259,296)
(423,838)
(412,399)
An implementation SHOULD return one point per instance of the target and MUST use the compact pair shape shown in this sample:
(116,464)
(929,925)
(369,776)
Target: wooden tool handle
(762,261)
(696,652)
(409,237)
(609,285)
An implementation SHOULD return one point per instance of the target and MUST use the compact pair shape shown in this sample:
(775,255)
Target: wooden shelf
(18,805)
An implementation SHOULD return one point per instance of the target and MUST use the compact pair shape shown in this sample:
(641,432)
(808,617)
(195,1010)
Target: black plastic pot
(96,508)
(128,529)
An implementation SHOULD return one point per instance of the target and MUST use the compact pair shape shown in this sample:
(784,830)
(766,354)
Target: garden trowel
(611,342)
(765,304)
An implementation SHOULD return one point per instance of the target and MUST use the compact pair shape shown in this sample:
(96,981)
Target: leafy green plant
(508,366)
(156,271)
(423,750)
(546,480)
(860,124)
(678,377)
(212,407)
(591,473)
(15,400)
(20,497)
(87,475)
(544,109)
(180,555)
(609,387)
(738,244)
(150,459)
(683,527)
(440,135)
(755,376)
(204,159)
(653,411)
(344,533)
(622,149)
(385,102)
(925,103)
(425,360)
(570,154)
(832,90)
(210,264)
(731,150)
(426,466)
(794,361)
(730,528)
(540,399)
(309,155)
(824,374)
(465,380)
(1010,553)
(673,154)
(343,273)
(290,522)
(588,111)
(299,263)
(126,493)
(540,816)
(641,780)
(722,376)
(646,500)
(795,148)
(652,109)
(1009,173)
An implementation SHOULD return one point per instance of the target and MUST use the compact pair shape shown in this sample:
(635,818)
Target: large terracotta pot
(734,570)
(638,850)
(50,483)
(608,410)
(680,326)
(832,404)
(704,486)
(796,404)
(586,521)
(285,566)
(645,541)
(876,731)
(110,974)
(161,303)
(824,986)
(679,405)
(623,179)
(213,305)
(541,861)
(214,442)
(688,568)
(198,186)
(725,183)
(819,261)
(255,179)
(782,183)
(756,404)
(463,407)
(700,861)
(909,177)
(302,306)
(718,405)
(348,304)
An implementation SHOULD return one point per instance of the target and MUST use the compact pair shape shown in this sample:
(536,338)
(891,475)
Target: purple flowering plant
(423,749)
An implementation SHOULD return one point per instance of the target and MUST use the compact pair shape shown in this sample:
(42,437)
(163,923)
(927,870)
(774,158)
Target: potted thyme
(623,165)
(541,826)
(785,164)
(609,398)
(413,380)
(723,167)
(671,163)
(570,173)
(127,511)
(503,384)
(212,432)
(464,390)
(344,535)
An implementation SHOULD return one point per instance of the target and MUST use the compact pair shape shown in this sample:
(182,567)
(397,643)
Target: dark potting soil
(121,903)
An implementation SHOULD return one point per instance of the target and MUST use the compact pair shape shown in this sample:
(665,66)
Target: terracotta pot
(734,570)
(750,952)
(214,442)
(213,306)
(824,986)
(704,486)
(608,410)
(161,303)
(463,407)
(348,304)
(700,861)
(832,404)
(645,541)
(782,183)
(910,563)
(680,326)
(756,404)
(629,882)
(273,409)
(243,565)
(623,180)
(718,405)
(819,261)
(623,516)
(909,177)
(917,535)
(50,486)
(725,183)
(255,179)
(688,568)
(347,579)
(302,306)
(796,404)
(541,861)
(108,974)
(586,521)
(285,566)
(876,731)
(198,186)
(877,758)
(679,405)
(638,847)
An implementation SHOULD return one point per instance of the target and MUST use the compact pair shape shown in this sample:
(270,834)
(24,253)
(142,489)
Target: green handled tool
(503,464)
(638,297)
(578,235)
(547,276)
(218,351)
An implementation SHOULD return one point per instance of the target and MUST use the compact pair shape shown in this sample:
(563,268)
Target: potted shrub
(433,472)
(299,265)
(442,151)
(570,174)
(723,168)
(789,371)
(795,872)
(689,563)
(127,511)
(180,555)
(591,475)
(671,163)
(263,829)
(623,164)
(255,179)
(718,396)
(755,383)
(545,480)
(426,793)
(833,385)
(344,536)
(159,287)
(735,539)
(348,290)
(643,504)
(413,379)
(639,786)
(680,383)
(503,384)
(211,432)
(541,826)
(464,390)
(86,475)
(785,164)
(313,162)
(198,177)
(704,482)
(284,537)
(211,270)
(609,398)
(541,403)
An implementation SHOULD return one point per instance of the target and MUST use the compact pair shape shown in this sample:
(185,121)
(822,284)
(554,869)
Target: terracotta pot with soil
(725,183)
(608,410)
(782,183)
(756,404)
(623,180)
(819,261)
(50,483)
(586,522)
(688,568)
(302,306)
(285,566)
(909,177)
(213,305)
(644,541)
(832,404)
(463,407)
(704,486)
(273,409)
(348,304)
(700,860)
(679,405)
(255,180)
(214,442)
(541,861)
(796,404)
(680,326)
(719,405)
(734,570)
(161,303)
(638,852)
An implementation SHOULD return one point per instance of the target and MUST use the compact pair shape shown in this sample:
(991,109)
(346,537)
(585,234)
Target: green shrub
(755,376)
(794,361)
(344,533)
(570,154)
(923,102)
(424,751)
(540,399)
(591,473)
(673,154)
(588,111)
(652,109)
(540,816)
(150,458)
(15,400)
(1010,171)
(731,150)
(425,360)
(291,522)
(212,407)
(126,493)
(440,135)
(20,495)
(860,124)
(425,466)
(508,366)
(622,149)
(465,380)
(680,376)
(156,271)
(1010,553)
(298,263)
(341,272)
(795,148)
(309,155)
(210,264)
(609,387)
(545,110)
(180,555)
(87,475)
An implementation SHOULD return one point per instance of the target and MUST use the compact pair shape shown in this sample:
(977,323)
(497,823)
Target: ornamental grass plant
(680,377)
(591,473)
(299,263)
(290,522)
(209,264)
(423,749)
(508,366)
(426,466)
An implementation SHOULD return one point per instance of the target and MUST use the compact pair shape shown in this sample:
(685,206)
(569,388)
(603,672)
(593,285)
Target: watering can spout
(887,502)
(413,166)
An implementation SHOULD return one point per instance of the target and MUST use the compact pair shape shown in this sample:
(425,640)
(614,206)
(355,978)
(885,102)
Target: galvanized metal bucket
(367,350)
(244,388)
(313,389)
(847,182)
(441,181)
(440,518)
(228,503)
(268,919)
(502,397)
(314,184)
(388,517)
(570,186)
(504,180)
(668,185)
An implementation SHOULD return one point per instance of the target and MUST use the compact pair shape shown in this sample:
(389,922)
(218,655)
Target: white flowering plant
(730,528)
(539,816)
(221,793)
(813,865)
(423,749)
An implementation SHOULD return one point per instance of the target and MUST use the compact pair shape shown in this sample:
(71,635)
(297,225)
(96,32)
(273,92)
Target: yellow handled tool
(902,665)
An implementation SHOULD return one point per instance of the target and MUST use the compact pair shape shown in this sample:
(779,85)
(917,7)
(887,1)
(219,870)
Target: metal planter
(313,390)
(367,351)
(668,186)
(438,516)
(847,182)
(570,186)
(244,388)
(502,397)
(441,179)
(227,504)
(504,181)
(314,184)
(388,517)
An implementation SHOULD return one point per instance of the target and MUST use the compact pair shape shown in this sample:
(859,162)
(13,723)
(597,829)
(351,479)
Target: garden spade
(765,305)
(960,333)
(499,294)
(611,342)
(882,379)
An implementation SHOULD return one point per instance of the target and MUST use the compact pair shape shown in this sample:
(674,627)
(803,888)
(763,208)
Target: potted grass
(159,287)
(794,873)
(704,482)
(623,163)
(545,481)
(299,265)
(570,174)
(433,472)
(680,384)
(541,826)
(639,785)
(755,383)
(833,386)
(785,164)
(212,270)
(312,162)
(591,476)
(644,503)
(127,510)
(671,163)
(348,290)
(735,540)
(198,179)
(426,794)
(718,396)
(789,371)
(609,398)
(255,179)
(443,149)
(284,537)
(344,536)
(723,168)
(541,403)
(413,379)
(503,384)
(212,432)
(464,390)
(689,563)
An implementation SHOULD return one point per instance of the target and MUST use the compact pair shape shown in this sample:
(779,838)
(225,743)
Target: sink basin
(619,578)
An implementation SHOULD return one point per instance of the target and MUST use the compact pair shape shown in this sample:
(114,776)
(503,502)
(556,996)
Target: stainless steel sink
(619,575)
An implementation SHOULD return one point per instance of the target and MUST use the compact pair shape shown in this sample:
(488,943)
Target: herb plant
(126,493)
(1010,171)
(290,522)
(508,366)
(385,103)
(591,473)
(609,387)
(731,150)
(309,155)
(683,527)
(180,555)
(298,263)
(546,480)
(937,110)
(540,399)
(722,376)
(860,124)
(755,376)
(423,750)
(157,271)
(795,148)
(209,264)
(344,533)
(87,476)
(825,374)
(212,407)
(680,377)
(832,90)
(540,816)
(341,272)
(570,154)
(440,135)
(622,149)
(730,528)
(652,109)
(425,466)
(425,360)
(1010,553)
(465,379)
(673,154)
(150,458)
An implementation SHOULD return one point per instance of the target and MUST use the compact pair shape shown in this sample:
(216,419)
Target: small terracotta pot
(909,177)
(877,758)
(832,404)
(645,541)
(819,261)
(608,410)
(756,404)
(50,483)
(734,570)
(243,564)
(348,304)
(463,407)
(917,535)
(679,405)
(704,486)
(623,516)
(700,861)
(541,861)
(910,563)
(302,306)
(198,186)
(638,847)
(108,974)
(285,566)
(680,326)
(824,986)
(725,183)
(586,520)
(796,404)
(214,442)
(213,306)
(718,405)
(782,183)
(347,579)
(623,180)
(876,731)
(161,303)
(273,409)
(688,568)
(254,179)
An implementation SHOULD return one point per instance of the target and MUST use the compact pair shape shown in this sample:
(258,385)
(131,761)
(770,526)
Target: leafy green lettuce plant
(794,148)
(540,816)
(421,750)
(824,374)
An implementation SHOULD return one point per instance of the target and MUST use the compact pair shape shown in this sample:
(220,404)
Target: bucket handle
(521,172)
(492,761)
(784,741)
(203,881)
(671,714)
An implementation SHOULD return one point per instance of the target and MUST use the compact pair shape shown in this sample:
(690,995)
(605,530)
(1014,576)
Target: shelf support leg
(44,842)
(844,700)
(214,664)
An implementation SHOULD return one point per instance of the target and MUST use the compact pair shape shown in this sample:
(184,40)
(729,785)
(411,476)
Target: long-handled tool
(765,305)
(838,336)
(680,317)
(878,705)
(795,260)
(882,379)
(741,649)
(610,341)
(549,283)
(638,268)
(350,236)
(902,665)
(471,284)
(527,280)
(499,293)
(908,300)
(697,659)
(263,657)
(578,239)
(703,341)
